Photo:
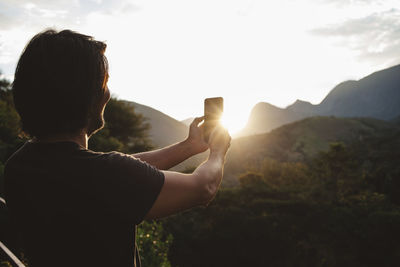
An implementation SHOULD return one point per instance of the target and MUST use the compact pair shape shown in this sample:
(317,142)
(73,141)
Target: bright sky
(170,55)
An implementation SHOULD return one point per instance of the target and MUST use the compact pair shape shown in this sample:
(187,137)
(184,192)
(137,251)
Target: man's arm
(182,191)
(168,157)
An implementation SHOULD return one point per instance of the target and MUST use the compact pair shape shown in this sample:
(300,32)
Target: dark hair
(59,79)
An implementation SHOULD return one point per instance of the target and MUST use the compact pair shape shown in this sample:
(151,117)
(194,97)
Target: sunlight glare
(233,121)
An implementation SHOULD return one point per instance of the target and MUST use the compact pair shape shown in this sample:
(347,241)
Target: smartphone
(213,108)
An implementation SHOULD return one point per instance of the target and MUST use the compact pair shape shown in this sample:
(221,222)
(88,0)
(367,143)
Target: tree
(153,244)
(339,171)
(251,179)
(10,139)
(124,130)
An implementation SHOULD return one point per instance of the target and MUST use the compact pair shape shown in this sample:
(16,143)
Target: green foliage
(328,211)
(337,171)
(5,264)
(125,130)
(1,179)
(9,122)
(299,141)
(103,141)
(241,229)
(153,243)
(379,155)
(9,128)
(250,179)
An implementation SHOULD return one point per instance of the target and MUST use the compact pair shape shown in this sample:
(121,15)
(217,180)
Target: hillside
(396,120)
(164,130)
(341,208)
(297,141)
(376,95)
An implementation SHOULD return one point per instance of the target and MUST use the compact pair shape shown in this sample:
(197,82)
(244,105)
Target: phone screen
(213,108)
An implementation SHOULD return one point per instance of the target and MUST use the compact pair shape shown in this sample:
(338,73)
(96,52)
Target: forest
(338,206)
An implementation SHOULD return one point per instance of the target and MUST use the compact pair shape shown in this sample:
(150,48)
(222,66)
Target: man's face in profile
(96,117)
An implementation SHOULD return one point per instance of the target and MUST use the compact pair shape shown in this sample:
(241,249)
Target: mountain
(302,107)
(396,120)
(164,130)
(297,141)
(265,117)
(376,95)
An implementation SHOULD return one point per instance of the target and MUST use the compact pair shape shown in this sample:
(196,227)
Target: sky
(170,55)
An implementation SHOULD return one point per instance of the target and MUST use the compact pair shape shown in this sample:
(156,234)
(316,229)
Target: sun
(233,121)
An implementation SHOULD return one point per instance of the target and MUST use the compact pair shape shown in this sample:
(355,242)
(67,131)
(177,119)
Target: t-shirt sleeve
(132,186)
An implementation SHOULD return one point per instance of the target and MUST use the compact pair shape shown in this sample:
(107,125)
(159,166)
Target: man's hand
(195,138)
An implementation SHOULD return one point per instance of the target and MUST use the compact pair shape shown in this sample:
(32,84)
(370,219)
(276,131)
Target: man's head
(60,84)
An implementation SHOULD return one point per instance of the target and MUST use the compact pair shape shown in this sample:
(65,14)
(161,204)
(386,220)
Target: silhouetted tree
(124,131)
(9,127)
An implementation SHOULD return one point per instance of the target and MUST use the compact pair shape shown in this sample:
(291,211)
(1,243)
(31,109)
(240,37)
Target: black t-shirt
(76,207)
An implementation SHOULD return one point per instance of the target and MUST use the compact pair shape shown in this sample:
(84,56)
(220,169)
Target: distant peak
(339,90)
(299,102)
(301,106)
(264,104)
(346,83)
(261,106)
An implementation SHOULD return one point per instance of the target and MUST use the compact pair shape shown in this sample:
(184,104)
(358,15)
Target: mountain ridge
(164,130)
(376,95)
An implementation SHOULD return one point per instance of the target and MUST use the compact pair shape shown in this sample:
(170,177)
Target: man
(76,207)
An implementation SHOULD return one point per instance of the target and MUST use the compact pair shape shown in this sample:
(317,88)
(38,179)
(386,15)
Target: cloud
(8,17)
(20,20)
(19,14)
(375,37)
(44,13)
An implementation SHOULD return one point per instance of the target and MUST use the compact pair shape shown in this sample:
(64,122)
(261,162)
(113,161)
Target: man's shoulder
(116,156)
(110,162)
(72,156)
(117,159)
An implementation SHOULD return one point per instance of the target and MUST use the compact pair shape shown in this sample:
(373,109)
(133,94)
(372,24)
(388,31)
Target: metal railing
(14,259)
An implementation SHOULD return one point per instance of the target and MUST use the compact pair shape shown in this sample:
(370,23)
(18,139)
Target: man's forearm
(210,173)
(183,191)
(167,157)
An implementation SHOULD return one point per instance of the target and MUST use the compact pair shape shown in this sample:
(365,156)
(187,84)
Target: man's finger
(197,120)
